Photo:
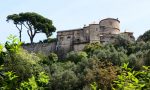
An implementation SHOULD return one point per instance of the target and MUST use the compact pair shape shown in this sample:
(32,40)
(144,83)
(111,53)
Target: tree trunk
(20,35)
(31,35)
(31,32)
(20,31)
(31,39)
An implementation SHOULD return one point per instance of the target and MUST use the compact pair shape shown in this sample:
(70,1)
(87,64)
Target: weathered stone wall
(44,48)
(79,47)
(78,36)
(110,26)
(65,38)
(106,38)
(86,33)
(75,39)
(94,33)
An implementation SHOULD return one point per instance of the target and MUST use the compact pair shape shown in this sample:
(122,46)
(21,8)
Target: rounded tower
(109,26)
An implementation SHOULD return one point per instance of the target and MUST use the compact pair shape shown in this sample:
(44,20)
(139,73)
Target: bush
(63,76)
(132,80)
(145,37)
(76,56)
(103,73)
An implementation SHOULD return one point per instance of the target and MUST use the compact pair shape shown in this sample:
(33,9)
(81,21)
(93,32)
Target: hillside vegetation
(123,65)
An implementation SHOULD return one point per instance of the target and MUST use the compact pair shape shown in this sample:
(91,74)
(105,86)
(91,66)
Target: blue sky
(134,15)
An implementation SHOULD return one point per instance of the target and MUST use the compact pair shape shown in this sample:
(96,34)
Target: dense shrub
(76,56)
(63,76)
(133,80)
(145,37)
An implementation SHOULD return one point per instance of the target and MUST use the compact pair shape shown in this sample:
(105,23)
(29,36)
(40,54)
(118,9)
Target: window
(112,37)
(68,37)
(61,38)
(102,27)
(78,40)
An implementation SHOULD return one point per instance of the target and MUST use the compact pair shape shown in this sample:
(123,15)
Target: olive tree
(145,37)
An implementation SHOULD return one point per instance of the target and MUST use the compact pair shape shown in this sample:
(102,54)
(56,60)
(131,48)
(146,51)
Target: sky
(134,15)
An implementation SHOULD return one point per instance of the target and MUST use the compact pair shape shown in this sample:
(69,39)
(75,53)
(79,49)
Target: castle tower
(109,26)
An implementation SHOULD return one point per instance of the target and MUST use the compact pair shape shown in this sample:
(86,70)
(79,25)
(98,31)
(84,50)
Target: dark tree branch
(18,27)
(25,25)
(28,33)
(21,28)
(20,31)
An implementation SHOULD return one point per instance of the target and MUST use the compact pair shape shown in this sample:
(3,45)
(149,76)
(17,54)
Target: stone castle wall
(76,39)
(44,48)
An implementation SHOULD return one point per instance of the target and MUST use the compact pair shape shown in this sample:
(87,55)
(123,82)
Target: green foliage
(63,76)
(93,86)
(76,56)
(11,75)
(48,59)
(30,85)
(25,63)
(110,53)
(53,57)
(144,77)
(19,61)
(140,46)
(145,37)
(123,41)
(1,76)
(132,60)
(49,40)
(103,73)
(2,54)
(147,58)
(133,80)
(1,48)
(139,55)
(90,48)
(43,78)
(35,84)
(97,67)
(8,80)
(20,66)
(13,44)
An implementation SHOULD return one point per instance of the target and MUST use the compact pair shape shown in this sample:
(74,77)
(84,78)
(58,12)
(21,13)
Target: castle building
(76,39)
